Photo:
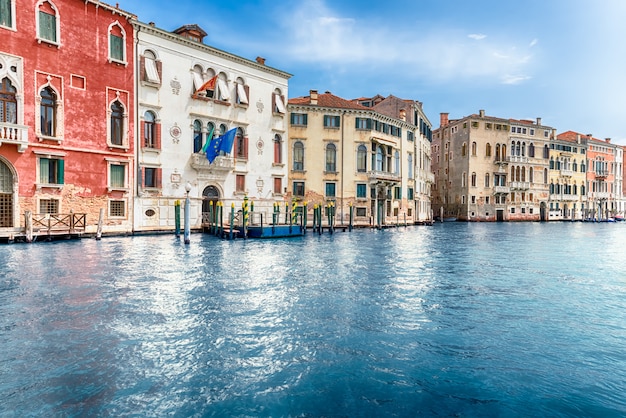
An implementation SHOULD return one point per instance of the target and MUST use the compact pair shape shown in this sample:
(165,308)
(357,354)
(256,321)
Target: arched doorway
(210,196)
(6,196)
(543,212)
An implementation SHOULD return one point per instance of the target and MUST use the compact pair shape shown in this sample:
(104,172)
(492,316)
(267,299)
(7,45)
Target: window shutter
(157,134)
(142,176)
(356,122)
(158,174)
(60,171)
(292,117)
(142,68)
(306,119)
(245,147)
(44,170)
(159,67)
(5,13)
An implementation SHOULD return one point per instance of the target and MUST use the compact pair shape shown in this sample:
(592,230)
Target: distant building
(187,92)
(491,169)
(604,178)
(66,112)
(352,153)
(568,177)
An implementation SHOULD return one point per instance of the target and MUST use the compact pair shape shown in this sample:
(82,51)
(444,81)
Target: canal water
(457,319)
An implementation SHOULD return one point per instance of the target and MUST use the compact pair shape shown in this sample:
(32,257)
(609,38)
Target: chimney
(313,95)
(578,138)
(403,114)
(151,24)
(608,140)
(443,119)
(260,60)
(481,113)
(538,121)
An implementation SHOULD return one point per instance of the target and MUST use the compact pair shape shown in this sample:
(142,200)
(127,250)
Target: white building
(174,120)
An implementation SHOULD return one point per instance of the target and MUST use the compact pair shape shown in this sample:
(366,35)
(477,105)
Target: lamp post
(187,228)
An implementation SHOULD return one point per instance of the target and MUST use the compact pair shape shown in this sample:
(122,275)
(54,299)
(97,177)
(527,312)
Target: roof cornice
(112,9)
(153,30)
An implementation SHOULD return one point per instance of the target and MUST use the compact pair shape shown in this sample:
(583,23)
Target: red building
(66,112)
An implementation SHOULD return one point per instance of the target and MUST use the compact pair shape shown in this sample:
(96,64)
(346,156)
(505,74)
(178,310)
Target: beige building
(490,169)
(568,175)
(349,154)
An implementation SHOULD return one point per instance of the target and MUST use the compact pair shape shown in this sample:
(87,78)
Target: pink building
(66,113)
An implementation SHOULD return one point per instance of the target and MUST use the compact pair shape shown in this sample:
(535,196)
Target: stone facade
(177,115)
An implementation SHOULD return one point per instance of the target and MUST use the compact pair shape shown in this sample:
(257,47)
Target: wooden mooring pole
(100,222)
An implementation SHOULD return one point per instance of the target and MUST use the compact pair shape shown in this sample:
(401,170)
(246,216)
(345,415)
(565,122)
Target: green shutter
(117,47)
(292,117)
(356,122)
(5,13)
(306,119)
(44,170)
(47,26)
(60,171)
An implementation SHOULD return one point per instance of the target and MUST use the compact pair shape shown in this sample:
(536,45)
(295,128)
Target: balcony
(520,185)
(564,197)
(602,174)
(217,170)
(501,190)
(14,134)
(517,159)
(501,161)
(375,176)
(429,178)
(567,173)
(600,195)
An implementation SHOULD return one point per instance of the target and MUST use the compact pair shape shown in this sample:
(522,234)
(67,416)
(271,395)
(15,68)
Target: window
(488,150)
(117,123)
(197,136)
(397,192)
(463,150)
(278,150)
(363,123)
(278,102)
(299,119)
(117,208)
(8,102)
(473,180)
(331,121)
(278,185)
(117,40)
(361,159)
(410,164)
(242,92)
(117,176)
(51,170)
(361,190)
(48,112)
(410,193)
(222,88)
(241,143)
(149,130)
(474,149)
(331,158)
(240,185)
(298,188)
(150,68)
(151,177)
(7,11)
(298,156)
(47,23)
(546,152)
(330,189)
(49,206)
(487,180)
(380,158)
(396,157)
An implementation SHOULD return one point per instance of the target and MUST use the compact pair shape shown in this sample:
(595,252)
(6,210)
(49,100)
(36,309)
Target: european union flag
(227,141)
(213,149)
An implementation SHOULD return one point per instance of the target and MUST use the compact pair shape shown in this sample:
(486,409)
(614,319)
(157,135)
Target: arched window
(47,22)
(278,149)
(545,176)
(531,150)
(6,196)
(523,149)
(531,174)
(551,188)
(523,173)
(117,43)
(298,156)
(551,163)
(361,159)
(396,168)
(497,152)
(48,112)
(512,173)
(223,129)
(222,88)
(474,149)
(117,123)
(331,158)
(8,102)
(380,158)
(574,166)
(487,179)
(241,143)
(473,180)
(151,68)
(463,149)
(546,152)
(464,180)
(410,164)
(488,150)
(197,136)
(149,129)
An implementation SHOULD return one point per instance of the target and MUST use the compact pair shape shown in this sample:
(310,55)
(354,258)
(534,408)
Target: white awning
(223,89)
(241,94)
(152,74)
(197,81)
(279,103)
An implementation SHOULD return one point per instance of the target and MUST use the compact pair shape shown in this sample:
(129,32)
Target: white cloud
(533,43)
(514,79)
(477,36)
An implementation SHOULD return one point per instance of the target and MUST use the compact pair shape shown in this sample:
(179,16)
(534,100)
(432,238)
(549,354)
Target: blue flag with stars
(213,149)
(223,143)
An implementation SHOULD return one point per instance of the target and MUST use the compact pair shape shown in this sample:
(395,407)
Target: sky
(561,60)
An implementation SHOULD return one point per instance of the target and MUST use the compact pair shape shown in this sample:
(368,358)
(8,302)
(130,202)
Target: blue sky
(561,60)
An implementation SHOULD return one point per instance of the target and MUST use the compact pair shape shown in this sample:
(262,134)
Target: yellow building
(568,194)
(350,155)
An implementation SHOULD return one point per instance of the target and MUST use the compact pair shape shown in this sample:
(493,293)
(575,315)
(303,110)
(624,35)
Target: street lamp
(187,228)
